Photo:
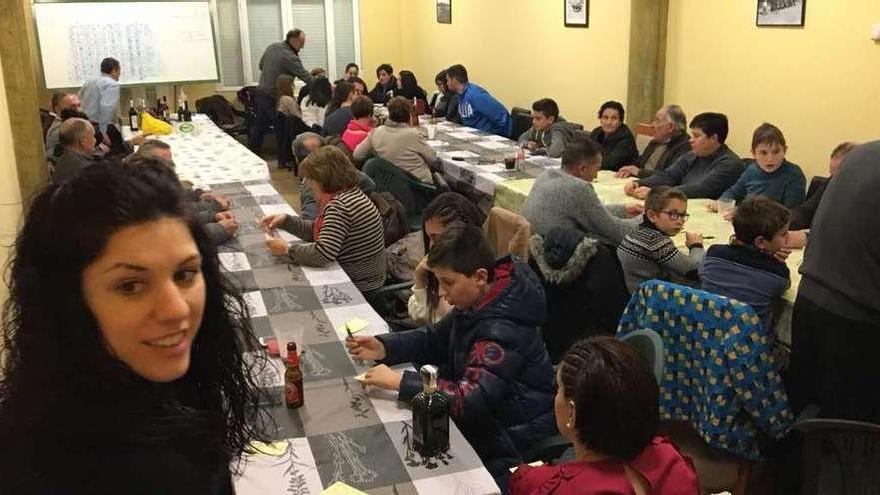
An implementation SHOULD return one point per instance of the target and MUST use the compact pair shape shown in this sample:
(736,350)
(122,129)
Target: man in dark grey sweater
(278,58)
(836,322)
(565,198)
(705,172)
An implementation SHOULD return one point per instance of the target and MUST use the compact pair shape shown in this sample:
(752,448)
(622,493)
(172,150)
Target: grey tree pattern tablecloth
(343,432)
(476,158)
(208,155)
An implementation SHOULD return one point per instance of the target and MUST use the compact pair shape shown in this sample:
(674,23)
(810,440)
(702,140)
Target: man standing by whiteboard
(279,58)
(100,96)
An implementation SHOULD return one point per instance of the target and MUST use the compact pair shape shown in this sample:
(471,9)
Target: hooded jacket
(480,110)
(551,142)
(584,284)
(493,366)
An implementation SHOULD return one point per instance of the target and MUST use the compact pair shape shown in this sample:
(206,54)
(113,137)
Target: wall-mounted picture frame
(577,13)
(444,11)
(781,13)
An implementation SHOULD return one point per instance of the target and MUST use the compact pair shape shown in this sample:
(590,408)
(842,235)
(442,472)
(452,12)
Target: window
(244,28)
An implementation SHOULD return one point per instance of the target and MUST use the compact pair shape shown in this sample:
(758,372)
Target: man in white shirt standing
(100,96)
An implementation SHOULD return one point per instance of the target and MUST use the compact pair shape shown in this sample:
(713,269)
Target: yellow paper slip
(355,325)
(340,488)
(274,449)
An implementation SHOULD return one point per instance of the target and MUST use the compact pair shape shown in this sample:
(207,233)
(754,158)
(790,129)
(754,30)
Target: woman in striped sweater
(348,229)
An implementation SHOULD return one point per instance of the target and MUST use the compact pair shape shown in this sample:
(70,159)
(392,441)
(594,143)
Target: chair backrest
(508,233)
(522,121)
(840,456)
(46,120)
(644,134)
(719,370)
(412,193)
(650,346)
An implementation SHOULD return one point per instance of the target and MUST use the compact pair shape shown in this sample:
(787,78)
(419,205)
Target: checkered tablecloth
(344,432)
(476,158)
(207,155)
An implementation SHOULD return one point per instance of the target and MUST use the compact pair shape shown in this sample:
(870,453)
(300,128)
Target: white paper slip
(261,190)
(493,145)
(495,167)
(278,208)
(498,138)
(461,154)
(465,128)
(436,143)
(463,135)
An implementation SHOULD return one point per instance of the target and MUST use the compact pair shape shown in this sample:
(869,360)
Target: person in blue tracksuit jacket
(477,108)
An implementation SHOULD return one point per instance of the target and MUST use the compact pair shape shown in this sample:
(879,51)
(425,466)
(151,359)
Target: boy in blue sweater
(751,269)
(770,174)
(476,107)
(493,364)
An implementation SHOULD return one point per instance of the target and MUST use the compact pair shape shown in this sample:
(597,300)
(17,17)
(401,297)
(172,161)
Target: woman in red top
(606,405)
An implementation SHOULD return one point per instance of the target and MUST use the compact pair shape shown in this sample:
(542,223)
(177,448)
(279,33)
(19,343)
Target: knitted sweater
(561,199)
(401,145)
(784,185)
(352,235)
(649,253)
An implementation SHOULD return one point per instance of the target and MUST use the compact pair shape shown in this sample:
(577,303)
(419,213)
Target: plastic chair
(223,113)
(412,193)
(649,344)
(547,450)
(840,456)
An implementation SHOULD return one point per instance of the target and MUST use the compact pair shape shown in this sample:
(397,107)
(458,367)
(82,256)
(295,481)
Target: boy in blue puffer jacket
(492,361)
(476,107)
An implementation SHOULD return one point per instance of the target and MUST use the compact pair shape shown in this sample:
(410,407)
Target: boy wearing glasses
(751,269)
(648,252)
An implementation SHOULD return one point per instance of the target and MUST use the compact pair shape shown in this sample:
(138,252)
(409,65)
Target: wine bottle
(180,113)
(430,410)
(164,111)
(187,115)
(132,116)
(293,379)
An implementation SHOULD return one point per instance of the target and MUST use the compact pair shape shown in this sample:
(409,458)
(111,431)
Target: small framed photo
(577,13)
(781,12)
(444,11)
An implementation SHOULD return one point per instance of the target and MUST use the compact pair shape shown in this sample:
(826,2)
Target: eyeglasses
(675,216)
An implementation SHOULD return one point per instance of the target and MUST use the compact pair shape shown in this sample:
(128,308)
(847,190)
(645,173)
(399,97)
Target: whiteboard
(155,42)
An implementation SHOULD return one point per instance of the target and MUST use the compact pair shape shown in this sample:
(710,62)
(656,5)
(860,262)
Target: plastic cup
(432,130)
(725,206)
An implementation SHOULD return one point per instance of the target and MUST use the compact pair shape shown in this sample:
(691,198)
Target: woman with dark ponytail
(123,368)
(425,306)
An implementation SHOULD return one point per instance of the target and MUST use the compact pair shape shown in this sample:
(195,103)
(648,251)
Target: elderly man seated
(670,142)
(77,138)
(61,101)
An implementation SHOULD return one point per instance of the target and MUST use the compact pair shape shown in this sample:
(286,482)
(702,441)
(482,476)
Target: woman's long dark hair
(409,86)
(320,91)
(340,94)
(60,381)
(446,208)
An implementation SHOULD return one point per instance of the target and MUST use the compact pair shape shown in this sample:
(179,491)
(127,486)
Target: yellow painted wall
(10,196)
(519,50)
(820,84)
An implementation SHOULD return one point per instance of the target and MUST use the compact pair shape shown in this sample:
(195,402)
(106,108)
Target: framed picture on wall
(577,13)
(444,11)
(781,12)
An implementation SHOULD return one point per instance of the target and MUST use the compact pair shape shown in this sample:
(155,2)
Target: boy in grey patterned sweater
(649,252)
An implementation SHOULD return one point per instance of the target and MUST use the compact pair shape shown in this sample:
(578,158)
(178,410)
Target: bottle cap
(429,373)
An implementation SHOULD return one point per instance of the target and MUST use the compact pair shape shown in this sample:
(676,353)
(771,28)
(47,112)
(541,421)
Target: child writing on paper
(493,364)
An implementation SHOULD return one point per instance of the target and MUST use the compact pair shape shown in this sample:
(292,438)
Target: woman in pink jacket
(362,123)
(606,405)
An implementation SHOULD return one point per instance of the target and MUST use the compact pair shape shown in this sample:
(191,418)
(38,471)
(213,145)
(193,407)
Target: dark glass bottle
(430,410)
(164,111)
(187,115)
(132,116)
(293,379)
